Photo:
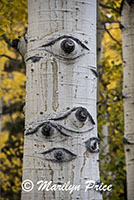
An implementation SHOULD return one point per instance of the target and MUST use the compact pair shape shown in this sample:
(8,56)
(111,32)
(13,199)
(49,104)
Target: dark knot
(67,45)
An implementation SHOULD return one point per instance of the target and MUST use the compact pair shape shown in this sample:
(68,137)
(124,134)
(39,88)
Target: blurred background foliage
(13,24)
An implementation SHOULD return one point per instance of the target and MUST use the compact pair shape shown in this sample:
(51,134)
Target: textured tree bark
(128,92)
(60,142)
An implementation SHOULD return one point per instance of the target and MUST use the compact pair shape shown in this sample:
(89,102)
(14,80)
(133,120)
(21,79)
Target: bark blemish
(85,156)
(55,85)
(51,172)
(63,20)
(50,19)
(73,173)
(76,91)
(45,84)
(44,196)
(86,42)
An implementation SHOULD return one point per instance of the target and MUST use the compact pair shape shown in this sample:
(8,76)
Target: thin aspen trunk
(100,31)
(128,93)
(104,144)
(60,142)
(0,115)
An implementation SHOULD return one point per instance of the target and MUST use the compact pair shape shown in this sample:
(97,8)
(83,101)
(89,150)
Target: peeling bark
(61,98)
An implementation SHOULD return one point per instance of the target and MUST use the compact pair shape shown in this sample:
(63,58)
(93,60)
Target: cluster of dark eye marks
(70,123)
(64,155)
(65,47)
(74,121)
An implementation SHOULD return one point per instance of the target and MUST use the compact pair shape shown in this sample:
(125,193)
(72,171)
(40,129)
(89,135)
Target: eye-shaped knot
(59,155)
(67,45)
(91,144)
(47,129)
(81,114)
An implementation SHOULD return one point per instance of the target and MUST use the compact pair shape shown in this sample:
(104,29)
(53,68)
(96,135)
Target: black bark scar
(125,141)
(94,72)
(35,58)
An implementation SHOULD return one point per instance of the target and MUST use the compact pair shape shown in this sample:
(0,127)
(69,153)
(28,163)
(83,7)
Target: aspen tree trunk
(60,142)
(104,144)
(0,115)
(128,92)
(100,31)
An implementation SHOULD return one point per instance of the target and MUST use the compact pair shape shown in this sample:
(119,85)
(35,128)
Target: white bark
(128,92)
(105,142)
(55,81)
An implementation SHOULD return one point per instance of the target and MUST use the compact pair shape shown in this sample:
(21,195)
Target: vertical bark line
(44,84)
(60,121)
(128,92)
(55,85)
